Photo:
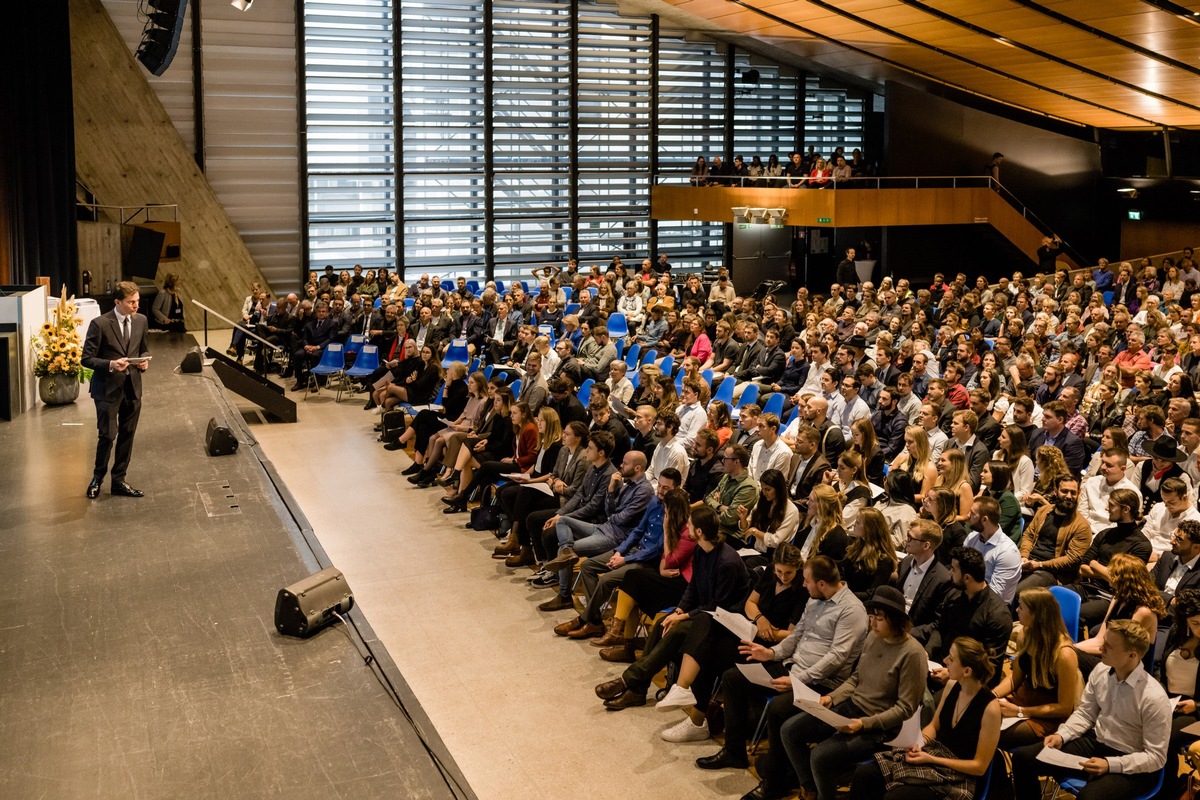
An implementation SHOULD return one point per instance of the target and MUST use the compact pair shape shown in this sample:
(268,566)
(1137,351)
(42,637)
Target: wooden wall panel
(129,153)
(1141,237)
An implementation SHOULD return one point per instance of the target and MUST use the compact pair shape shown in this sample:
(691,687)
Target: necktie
(125,330)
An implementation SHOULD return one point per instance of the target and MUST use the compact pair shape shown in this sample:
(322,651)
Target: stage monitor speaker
(160,37)
(308,605)
(193,361)
(219,440)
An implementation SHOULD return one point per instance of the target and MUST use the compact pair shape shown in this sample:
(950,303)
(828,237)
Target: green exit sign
(825,220)
(1135,214)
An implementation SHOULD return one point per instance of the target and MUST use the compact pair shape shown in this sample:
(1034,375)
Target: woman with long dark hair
(774,519)
(527,508)
(996,481)
(550,438)
(525,446)
(870,559)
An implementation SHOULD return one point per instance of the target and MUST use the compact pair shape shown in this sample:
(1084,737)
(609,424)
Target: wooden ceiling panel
(877,40)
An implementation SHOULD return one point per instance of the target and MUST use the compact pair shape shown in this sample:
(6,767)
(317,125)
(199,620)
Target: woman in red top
(525,450)
(820,176)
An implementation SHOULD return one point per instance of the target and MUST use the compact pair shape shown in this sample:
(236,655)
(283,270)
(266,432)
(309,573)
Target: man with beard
(705,471)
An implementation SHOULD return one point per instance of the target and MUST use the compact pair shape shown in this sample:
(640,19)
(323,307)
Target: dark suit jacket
(977,456)
(768,367)
(513,324)
(988,432)
(103,344)
(811,477)
(474,329)
(1072,448)
(748,359)
(936,587)
(318,333)
(1162,570)
(889,431)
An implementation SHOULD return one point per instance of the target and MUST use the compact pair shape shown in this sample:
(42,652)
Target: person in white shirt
(1119,731)
(1001,558)
(1093,497)
(937,438)
(818,355)
(1164,517)
(669,452)
(769,452)
(619,386)
(632,306)
(550,359)
(831,393)
(692,416)
(854,408)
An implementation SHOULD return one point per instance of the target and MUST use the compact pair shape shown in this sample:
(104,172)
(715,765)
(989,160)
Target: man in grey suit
(112,340)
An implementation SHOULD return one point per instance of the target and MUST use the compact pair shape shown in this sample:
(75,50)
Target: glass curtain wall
(490,137)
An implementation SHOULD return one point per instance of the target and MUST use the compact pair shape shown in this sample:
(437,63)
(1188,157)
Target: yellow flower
(78,320)
(47,327)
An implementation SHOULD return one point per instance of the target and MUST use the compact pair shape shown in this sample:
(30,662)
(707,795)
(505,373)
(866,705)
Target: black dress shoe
(765,791)
(370,404)
(413,469)
(455,499)
(93,489)
(125,490)
(393,446)
(723,759)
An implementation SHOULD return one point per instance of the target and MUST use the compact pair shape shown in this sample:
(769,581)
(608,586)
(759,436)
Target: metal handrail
(145,208)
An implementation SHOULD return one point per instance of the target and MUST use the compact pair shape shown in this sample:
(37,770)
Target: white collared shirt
(1131,716)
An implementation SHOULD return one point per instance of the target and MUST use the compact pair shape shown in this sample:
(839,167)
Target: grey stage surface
(138,652)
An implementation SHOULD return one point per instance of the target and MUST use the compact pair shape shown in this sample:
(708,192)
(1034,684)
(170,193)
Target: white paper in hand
(910,733)
(1008,722)
(756,673)
(743,628)
(1058,758)
(822,713)
(801,691)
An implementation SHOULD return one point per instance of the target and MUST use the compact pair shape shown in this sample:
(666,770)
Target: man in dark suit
(889,424)
(962,437)
(1179,568)
(988,430)
(751,349)
(112,339)
(317,333)
(502,333)
(1054,432)
(924,581)
(810,467)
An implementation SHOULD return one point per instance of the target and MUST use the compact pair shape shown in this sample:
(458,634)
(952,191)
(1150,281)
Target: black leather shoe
(765,791)
(393,446)
(458,498)
(723,759)
(413,469)
(93,489)
(125,490)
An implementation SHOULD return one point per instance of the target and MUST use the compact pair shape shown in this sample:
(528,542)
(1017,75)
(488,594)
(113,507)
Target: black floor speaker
(193,361)
(219,440)
(308,605)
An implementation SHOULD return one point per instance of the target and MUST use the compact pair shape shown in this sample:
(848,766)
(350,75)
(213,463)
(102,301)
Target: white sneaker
(677,697)
(686,731)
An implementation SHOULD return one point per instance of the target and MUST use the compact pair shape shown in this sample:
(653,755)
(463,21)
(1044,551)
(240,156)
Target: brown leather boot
(522,558)
(614,635)
(508,547)
(619,655)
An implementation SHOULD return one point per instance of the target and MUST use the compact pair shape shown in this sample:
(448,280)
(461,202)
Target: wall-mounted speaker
(160,37)
(309,604)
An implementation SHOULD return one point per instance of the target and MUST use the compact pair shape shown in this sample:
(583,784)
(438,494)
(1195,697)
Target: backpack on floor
(394,425)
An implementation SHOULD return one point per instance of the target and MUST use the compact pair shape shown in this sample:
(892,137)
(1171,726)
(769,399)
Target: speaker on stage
(193,361)
(219,440)
(308,605)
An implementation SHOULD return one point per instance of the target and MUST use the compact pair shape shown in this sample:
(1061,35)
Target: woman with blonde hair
(870,557)
(917,460)
(941,506)
(953,475)
(643,392)
(1051,464)
(822,532)
(1044,686)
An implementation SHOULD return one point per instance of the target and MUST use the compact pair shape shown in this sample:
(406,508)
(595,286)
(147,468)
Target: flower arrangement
(58,348)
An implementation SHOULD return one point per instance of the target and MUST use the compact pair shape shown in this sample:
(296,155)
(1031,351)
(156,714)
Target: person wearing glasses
(736,489)
(924,581)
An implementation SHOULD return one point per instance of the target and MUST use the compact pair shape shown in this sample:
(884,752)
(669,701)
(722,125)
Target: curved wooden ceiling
(1123,64)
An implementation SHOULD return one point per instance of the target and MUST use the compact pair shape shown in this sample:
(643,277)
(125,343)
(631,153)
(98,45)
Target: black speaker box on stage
(308,605)
(193,361)
(219,440)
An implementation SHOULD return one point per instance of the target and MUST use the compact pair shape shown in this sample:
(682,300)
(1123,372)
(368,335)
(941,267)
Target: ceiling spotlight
(242,5)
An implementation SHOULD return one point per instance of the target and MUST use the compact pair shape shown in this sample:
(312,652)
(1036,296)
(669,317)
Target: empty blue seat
(1108,296)
(572,308)
(724,392)
(333,362)
(668,365)
(707,375)
(473,286)
(1069,603)
(366,362)
(474,366)
(500,287)
(649,357)
(585,391)
(409,302)
(631,357)
(457,351)
(618,326)
(354,344)
(448,286)
(548,331)
(516,388)
(567,292)
(774,404)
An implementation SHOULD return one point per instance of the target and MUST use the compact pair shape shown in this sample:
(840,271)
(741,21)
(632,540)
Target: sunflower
(47,328)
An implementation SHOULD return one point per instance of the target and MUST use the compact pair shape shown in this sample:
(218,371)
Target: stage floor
(138,649)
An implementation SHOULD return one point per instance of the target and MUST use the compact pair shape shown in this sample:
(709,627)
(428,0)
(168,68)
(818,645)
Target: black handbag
(394,425)
(487,516)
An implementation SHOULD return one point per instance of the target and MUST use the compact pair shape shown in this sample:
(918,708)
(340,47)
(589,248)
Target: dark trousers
(599,582)
(868,782)
(651,591)
(116,420)
(835,753)
(1026,769)
(489,472)
(661,649)
(743,700)
(424,425)
(519,503)
(538,538)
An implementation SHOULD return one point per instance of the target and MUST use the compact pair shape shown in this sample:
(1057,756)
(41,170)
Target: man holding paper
(115,351)
(1117,737)
(818,654)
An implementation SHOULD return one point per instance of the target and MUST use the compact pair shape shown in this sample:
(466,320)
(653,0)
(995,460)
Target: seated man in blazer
(1179,568)
(116,387)
(923,580)
(1054,432)
(810,465)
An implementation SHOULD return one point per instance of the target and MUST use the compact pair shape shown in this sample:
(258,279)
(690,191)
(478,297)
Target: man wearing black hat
(1165,462)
